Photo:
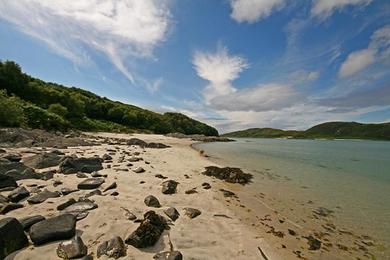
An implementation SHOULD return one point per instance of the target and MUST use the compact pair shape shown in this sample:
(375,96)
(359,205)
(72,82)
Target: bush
(43,119)
(58,109)
(11,112)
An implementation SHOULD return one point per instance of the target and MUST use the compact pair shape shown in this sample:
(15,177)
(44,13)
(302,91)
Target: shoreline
(218,231)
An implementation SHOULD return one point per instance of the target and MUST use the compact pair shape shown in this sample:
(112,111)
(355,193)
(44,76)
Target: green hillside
(329,130)
(30,102)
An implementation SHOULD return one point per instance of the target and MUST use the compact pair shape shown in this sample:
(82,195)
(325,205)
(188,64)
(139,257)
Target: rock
(66,204)
(43,160)
(228,174)
(292,232)
(47,175)
(138,142)
(191,191)
(27,222)
(139,170)
(192,213)
(42,196)
(148,232)
(58,152)
(169,187)
(18,194)
(52,229)
(90,183)
(81,175)
(12,236)
(134,159)
(2,151)
(206,185)
(111,186)
(78,214)
(160,176)
(314,244)
(113,248)
(157,145)
(7,181)
(323,212)
(12,157)
(72,249)
(97,174)
(172,213)
(115,193)
(106,157)
(9,207)
(18,171)
(129,215)
(3,199)
(168,255)
(152,201)
(81,206)
(66,191)
(227,193)
(56,183)
(93,193)
(74,165)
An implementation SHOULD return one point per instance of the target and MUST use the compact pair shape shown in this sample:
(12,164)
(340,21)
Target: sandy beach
(217,233)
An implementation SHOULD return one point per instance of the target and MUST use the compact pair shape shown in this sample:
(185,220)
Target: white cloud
(253,10)
(123,30)
(313,76)
(357,61)
(261,98)
(325,8)
(377,50)
(220,69)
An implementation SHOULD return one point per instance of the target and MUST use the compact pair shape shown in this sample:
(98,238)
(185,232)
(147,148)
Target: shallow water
(350,177)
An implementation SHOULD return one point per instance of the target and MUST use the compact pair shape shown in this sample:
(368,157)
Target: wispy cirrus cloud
(325,8)
(123,31)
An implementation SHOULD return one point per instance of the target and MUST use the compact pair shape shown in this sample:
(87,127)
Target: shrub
(11,112)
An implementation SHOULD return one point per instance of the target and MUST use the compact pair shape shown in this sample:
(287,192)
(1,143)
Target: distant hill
(329,130)
(31,102)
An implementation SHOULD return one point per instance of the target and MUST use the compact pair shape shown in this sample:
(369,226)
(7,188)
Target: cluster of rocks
(201,138)
(228,174)
(143,144)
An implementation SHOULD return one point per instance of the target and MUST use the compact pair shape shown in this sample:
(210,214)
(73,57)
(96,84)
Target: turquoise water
(351,177)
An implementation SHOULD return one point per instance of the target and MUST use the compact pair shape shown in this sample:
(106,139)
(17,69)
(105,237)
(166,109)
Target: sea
(350,178)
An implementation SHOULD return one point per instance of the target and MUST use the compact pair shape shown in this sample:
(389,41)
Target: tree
(11,112)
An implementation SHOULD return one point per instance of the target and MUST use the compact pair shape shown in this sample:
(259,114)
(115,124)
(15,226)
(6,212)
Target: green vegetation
(329,130)
(30,102)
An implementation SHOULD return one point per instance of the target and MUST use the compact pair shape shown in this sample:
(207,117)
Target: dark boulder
(106,157)
(5,208)
(71,249)
(113,248)
(157,145)
(66,191)
(139,170)
(74,165)
(53,229)
(169,187)
(228,174)
(152,201)
(314,243)
(42,196)
(18,194)
(138,142)
(168,255)
(12,157)
(27,222)
(18,171)
(172,213)
(43,160)
(7,181)
(12,236)
(66,204)
(91,183)
(148,232)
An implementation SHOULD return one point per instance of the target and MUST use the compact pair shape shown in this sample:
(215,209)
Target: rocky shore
(113,196)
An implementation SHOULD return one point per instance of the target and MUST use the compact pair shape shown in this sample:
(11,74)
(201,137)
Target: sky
(234,64)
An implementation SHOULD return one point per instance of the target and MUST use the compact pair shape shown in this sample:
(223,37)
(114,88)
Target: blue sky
(231,63)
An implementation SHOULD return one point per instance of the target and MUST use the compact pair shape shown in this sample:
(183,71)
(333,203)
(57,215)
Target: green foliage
(80,109)
(40,118)
(11,111)
(58,109)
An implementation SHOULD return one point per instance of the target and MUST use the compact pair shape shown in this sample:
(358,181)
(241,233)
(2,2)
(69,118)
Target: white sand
(204,237)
